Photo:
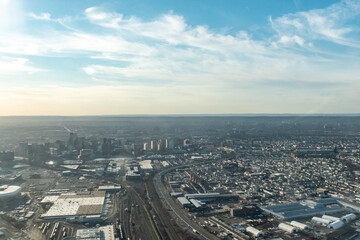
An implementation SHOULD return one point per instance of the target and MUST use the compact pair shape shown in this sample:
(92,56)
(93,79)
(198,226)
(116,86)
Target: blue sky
(179,57)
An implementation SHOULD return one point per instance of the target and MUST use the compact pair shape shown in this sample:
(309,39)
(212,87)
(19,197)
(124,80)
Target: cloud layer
(166,65)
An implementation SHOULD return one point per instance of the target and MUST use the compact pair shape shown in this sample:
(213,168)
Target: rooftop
(72,204)
(307,208)
(100,233)
(9,191)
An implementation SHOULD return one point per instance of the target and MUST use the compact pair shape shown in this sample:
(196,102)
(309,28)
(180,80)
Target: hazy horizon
(196,115)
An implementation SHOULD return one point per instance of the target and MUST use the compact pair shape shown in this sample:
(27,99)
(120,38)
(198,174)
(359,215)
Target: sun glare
(11,14)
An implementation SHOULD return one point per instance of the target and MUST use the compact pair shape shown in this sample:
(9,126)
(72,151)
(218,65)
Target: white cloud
(327,24)
(103,18)
(70,43)
(172,29)
(89,70)
(291,39)
(10,65)
(42,16)
(194,68)
(169,49)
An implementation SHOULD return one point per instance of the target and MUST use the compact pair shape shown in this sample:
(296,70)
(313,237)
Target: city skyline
(180,178)
(164,57)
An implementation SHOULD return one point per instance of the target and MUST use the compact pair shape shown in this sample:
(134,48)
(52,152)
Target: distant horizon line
(198,115)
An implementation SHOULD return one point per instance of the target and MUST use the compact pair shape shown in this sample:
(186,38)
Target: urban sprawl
(181,178)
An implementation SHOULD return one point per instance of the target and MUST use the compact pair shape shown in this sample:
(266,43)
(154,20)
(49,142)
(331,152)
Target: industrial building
(81,207)
(110,188)
(198,205)
(299,225)
(212,197)
(321,221)
(336,225)
(132,172)
(331,218)
(132,176)
(146,166)
(348,217)
(306,208)
(184,202)
(255,232)
(287,228)
(99,233)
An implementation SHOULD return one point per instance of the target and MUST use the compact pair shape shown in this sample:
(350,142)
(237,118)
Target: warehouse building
(348,217)
(99,233)
(184,202)
(306,208)
(80,207)
(331,218)
(321,221)
(198,205)
(287,228)
(299,225)
(255,232)
(336,225)
(110,188)
(146,165)
(212,197)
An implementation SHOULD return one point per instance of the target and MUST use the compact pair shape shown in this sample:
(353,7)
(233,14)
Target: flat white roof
(67,205)
(183,200)
(100,233)
(146,164)
(50,199)
(109,187)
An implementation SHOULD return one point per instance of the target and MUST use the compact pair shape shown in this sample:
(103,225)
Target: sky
(116,57)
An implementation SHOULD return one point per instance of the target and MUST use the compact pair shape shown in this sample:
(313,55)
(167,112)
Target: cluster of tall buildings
(159,145)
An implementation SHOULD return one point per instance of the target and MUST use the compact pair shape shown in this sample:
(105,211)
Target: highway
(177,210)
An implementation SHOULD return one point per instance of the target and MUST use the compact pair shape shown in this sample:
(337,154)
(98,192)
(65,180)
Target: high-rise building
(146,147)
(152,145)
(86,154)
(106,146)
(23,149)
(72,139)
(186,142)
(159,147)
